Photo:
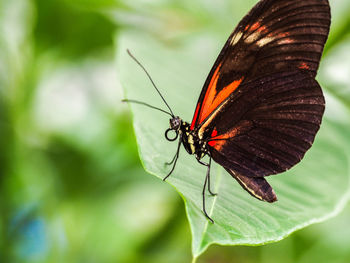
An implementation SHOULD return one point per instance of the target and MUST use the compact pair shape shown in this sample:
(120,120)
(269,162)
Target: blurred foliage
(71,185)
(59,24)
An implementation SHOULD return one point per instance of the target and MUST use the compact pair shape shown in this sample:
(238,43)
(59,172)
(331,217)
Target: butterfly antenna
(154,85)
(148,105)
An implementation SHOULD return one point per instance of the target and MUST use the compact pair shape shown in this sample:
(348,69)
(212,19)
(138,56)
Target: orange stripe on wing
(213,99)
(218,141)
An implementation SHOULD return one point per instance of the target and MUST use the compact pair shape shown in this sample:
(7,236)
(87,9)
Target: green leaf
(311,192)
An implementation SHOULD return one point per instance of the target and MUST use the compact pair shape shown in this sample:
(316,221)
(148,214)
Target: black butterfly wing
(275,36)
(267,127)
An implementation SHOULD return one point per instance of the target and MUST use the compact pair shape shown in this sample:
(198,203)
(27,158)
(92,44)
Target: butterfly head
(175,125)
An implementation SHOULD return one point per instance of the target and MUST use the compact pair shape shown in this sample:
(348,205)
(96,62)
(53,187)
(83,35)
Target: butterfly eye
(170,138)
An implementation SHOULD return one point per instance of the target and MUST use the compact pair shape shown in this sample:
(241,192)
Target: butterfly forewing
(275,36)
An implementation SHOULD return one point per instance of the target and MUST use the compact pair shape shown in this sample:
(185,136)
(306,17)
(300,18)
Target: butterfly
(260,107)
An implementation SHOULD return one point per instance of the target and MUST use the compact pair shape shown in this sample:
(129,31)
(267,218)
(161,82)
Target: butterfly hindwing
(257,187)
(275,36)
(267,127)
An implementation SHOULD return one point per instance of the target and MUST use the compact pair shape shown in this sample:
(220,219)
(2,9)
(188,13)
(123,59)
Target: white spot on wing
(236,38)
(262,42)
(253,37)
(285,41)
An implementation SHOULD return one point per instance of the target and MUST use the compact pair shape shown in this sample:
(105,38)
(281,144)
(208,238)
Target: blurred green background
(72,188)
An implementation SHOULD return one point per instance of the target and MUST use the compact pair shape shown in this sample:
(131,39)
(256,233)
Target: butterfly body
(190,140)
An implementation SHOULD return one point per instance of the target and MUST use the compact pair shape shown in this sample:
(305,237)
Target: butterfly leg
(169,163)
(208,174)
(174,160)
(176,154)
(203,198)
